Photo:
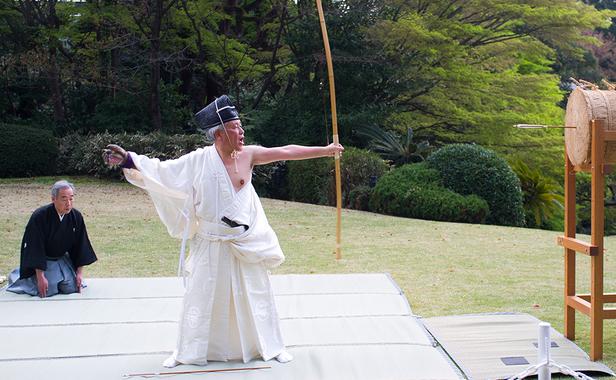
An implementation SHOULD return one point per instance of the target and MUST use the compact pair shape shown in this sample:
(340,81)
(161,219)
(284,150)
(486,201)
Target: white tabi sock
(284,357)
(170,362)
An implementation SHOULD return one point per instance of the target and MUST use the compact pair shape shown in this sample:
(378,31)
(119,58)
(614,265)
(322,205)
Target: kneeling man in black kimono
(54,249)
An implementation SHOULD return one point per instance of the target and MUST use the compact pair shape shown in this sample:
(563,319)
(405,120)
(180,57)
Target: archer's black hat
(218,112)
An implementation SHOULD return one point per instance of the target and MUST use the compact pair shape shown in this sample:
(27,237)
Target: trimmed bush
(442,204)
(271,180)
(358,167)
(313,181)
(81,154)
(415,191)
(390,190)
(359,198)
(309,180)
(26,151)
(471,169)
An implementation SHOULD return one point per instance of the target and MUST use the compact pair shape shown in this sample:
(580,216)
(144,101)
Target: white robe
(229,310)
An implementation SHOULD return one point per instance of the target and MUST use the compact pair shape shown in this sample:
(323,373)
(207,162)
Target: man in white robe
(207,197)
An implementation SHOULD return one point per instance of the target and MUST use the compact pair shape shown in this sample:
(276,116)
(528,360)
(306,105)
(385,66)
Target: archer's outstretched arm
(262,155)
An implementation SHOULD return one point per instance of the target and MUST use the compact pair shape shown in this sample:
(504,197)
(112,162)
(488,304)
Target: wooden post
(569,253)
(597,232)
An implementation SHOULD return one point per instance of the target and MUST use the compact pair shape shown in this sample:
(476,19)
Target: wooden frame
(590,304)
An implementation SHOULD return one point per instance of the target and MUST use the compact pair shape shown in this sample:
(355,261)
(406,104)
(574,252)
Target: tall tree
(149,17)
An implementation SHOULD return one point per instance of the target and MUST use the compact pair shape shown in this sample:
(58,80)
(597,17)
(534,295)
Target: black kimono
(48,239)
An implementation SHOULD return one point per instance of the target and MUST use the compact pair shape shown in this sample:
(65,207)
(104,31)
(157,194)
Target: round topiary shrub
(415,191)
(390,190)
(439,203)
(26,151)
(471,169)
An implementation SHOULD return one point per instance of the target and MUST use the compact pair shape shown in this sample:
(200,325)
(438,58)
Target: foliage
(391,188)
(444,205)
(358,167)
(313,181)
(394,148)
(271,180)
(583,204)
(308,180)
(460,73)
(542,197)
(81,154)
(415,191)
(359,198)
(26,151)
(472,169)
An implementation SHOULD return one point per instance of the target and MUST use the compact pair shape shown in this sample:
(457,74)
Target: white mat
(337,327)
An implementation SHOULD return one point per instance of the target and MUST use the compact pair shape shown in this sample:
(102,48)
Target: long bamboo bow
(332,97)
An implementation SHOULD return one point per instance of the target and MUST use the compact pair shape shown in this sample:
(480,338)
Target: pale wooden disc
(582,107)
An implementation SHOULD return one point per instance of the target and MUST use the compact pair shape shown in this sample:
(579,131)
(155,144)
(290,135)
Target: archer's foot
(284,357)
(170,362)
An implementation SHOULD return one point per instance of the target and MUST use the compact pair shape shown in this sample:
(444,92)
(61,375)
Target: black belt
(232,223)
(56,258)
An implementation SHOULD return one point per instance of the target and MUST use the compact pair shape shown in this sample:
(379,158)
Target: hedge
(26,151)
(313,181)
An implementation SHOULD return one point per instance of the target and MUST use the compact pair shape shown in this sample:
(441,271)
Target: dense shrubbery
(271,180)
(26,151)
(582,201)
(439,203)
(313,181)
(543,200)
(471,169)
(309,180)
(359,198)
(81,154)
(416,191)
(358,167)
(389,192)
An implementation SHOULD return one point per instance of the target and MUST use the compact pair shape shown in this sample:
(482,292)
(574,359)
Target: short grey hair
(210,133)
(63,184)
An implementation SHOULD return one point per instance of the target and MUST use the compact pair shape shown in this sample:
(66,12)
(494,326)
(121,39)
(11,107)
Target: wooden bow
(332,97)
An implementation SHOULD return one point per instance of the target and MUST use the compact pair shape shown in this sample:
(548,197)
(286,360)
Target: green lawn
(444,268)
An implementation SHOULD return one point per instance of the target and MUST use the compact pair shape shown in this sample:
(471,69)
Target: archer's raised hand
(334,149)
(114,155)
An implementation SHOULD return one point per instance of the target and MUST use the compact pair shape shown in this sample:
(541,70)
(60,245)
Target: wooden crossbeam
(579,304)
(577,245)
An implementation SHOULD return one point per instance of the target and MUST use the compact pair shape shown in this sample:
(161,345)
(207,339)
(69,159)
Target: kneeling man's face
(64,201)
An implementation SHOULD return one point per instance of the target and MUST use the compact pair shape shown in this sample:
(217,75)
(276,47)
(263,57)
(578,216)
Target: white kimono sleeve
(169,185)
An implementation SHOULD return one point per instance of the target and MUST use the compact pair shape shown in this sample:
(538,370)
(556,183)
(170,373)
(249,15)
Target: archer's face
(235,132)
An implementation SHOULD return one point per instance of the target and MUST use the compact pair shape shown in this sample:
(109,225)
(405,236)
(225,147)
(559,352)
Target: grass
(443,268)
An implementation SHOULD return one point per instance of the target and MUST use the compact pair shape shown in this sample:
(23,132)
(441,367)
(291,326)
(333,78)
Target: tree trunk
(55,86)
(155,114)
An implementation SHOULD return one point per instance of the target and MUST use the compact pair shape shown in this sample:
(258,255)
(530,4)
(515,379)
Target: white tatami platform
(337,326)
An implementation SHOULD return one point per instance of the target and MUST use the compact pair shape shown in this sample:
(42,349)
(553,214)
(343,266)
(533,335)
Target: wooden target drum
(582,107)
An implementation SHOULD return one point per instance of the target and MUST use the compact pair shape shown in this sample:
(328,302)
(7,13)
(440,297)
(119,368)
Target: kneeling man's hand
(42,283)
(78,278)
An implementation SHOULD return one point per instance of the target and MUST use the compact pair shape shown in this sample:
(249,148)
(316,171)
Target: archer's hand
(114,155)
(335,149)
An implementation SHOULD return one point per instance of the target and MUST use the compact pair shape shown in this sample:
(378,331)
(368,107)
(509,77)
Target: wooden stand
(589,304)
